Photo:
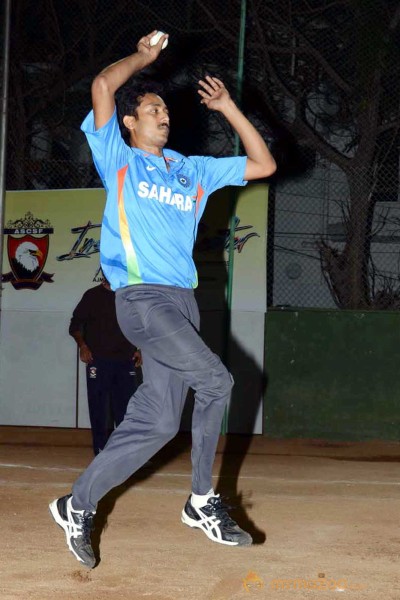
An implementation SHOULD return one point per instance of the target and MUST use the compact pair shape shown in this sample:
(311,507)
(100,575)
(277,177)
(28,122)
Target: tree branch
(317,55)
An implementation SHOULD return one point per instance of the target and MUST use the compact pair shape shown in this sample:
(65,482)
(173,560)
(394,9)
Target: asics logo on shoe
(210,523)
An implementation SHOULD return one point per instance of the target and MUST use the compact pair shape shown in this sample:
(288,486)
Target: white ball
(156,38)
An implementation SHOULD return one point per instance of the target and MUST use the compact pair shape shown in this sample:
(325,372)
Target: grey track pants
(163,321)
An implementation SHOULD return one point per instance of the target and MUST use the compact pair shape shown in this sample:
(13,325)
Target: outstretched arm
(113,77)
(260,162)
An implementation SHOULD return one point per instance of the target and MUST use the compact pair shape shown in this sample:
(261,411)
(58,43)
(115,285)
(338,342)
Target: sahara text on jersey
(165,196)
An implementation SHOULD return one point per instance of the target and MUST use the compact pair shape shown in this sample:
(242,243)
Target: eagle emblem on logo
(27,252)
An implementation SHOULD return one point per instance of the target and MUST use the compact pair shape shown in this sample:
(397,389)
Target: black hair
(129,98)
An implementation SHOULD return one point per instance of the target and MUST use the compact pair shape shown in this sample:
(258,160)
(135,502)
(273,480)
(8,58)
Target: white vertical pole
(3,123)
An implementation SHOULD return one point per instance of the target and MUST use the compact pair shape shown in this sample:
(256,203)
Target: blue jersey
(152,213)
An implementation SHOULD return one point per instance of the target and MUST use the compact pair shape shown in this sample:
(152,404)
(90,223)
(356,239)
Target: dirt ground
(325,519)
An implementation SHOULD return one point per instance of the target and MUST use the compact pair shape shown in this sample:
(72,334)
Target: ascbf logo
(28,248)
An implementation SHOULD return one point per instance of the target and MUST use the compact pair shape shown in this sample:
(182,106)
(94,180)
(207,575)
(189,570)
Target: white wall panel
(37,369)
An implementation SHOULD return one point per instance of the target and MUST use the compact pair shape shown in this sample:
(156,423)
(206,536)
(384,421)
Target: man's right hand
(151,52)
(85,354)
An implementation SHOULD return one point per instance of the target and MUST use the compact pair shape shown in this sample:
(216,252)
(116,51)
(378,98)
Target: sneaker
(214,520)
(77,525)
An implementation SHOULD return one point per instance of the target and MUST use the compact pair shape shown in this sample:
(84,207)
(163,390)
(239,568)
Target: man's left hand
(137,358)
(214,94)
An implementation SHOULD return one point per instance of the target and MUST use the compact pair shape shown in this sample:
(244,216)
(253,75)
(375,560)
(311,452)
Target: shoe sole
(195,525)
(60,522)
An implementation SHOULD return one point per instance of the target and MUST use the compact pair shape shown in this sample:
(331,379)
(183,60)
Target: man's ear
(129,121)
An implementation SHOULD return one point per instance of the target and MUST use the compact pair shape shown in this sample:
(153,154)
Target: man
(109,357)
(155,198)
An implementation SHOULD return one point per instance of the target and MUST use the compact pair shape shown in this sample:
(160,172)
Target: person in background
(111,360)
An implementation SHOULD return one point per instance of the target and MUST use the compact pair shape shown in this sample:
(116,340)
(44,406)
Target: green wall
(332,375)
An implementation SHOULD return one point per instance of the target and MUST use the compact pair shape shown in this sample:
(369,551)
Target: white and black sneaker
(77,525)
(216,523)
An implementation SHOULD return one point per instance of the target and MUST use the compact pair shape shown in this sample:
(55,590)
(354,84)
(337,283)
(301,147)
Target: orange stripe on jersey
(131,259)
(121,174)
(199,196)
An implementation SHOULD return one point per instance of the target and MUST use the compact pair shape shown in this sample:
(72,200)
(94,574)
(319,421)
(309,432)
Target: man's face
(151,126)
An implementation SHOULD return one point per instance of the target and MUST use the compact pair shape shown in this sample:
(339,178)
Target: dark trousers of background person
(110,385)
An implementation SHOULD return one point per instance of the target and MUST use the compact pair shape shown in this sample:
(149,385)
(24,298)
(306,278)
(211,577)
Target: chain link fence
(321,84)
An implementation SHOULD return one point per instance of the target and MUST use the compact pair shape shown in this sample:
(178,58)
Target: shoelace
(220,509)
(86,525)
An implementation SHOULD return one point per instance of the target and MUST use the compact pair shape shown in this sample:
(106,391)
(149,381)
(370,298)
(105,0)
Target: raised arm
(113,77)
(260,162)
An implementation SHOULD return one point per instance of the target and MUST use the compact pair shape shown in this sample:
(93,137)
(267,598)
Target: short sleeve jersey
(152,213)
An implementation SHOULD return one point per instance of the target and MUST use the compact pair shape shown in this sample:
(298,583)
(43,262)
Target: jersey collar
(174,159)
